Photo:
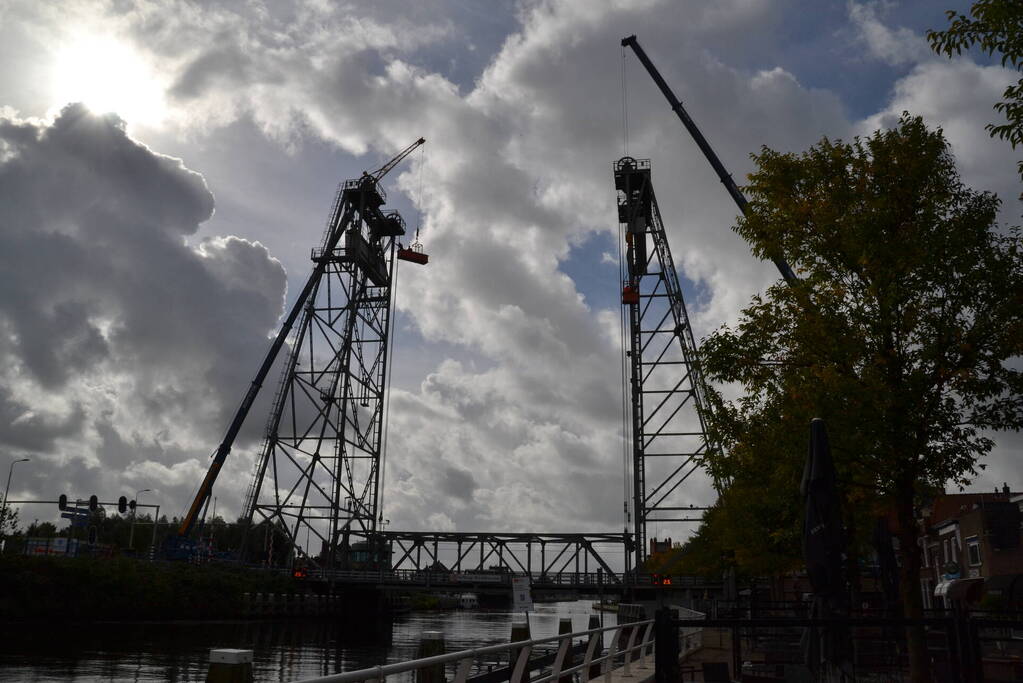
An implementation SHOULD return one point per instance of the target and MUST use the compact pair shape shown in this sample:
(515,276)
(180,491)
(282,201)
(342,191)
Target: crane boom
(202,496)
(701,142)
(386,168)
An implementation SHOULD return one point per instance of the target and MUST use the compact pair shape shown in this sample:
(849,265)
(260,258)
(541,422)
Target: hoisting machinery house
(357,235)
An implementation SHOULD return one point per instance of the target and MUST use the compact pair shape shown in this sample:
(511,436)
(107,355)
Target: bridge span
(541,554)
(591,583)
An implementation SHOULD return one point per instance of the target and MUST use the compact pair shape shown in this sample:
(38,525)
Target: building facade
(968,536)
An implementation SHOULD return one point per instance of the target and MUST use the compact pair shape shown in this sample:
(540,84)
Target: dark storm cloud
(458,483)
(80,200)
(116,335)
(28,429)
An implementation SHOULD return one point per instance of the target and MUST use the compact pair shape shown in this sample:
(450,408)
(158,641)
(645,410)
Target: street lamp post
(134,512)
(3,510)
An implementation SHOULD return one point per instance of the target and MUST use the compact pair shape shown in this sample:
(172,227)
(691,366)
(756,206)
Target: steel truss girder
(545,555)
(668,398)
(319,471)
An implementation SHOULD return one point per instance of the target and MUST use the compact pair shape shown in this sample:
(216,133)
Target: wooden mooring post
(230,666)
(431,644)
(565,626)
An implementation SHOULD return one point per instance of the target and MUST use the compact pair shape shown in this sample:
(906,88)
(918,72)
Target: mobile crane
(726,178)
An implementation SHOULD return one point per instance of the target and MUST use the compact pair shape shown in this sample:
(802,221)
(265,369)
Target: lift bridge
(314,497)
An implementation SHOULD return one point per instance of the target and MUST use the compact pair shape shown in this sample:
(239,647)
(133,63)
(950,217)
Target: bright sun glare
(108,76)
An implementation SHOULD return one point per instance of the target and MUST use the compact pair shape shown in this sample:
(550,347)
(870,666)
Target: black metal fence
(963,647)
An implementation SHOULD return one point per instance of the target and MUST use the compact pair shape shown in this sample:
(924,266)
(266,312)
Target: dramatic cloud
(119,344)
(512,418)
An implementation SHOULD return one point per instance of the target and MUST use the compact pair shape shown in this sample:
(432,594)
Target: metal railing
(963,647)
(519,653)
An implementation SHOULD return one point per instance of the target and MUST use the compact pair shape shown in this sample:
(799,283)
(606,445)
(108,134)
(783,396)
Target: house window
(926,587)
(946,548)
(973,550)
(926,559)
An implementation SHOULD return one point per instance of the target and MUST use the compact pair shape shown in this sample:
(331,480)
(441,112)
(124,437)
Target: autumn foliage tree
(901,334)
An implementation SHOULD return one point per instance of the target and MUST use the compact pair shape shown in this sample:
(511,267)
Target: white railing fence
(640,638)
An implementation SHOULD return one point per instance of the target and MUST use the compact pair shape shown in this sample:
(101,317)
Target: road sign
(76,520)
(522,599)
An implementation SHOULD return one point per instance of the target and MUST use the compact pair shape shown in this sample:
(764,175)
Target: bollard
(666,654)
(519,632)
(430,645)
(565,626)
(599,637)
(230,666)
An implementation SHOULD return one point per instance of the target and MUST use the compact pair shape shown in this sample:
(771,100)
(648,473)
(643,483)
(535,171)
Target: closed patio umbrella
(824,553)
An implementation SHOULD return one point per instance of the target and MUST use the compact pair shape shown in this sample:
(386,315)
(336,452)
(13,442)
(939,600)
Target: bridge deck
(501,581)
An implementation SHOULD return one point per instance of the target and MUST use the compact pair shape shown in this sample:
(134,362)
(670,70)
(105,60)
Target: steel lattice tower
(666,387)
(319,477)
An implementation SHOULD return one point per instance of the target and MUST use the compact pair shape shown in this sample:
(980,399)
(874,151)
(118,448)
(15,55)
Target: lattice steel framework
(544,555)
(318,480)
(666,387)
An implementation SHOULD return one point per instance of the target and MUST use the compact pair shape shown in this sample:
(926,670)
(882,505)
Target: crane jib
(701,142)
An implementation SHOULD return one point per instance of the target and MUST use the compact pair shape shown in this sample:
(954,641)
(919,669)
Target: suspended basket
(414,253)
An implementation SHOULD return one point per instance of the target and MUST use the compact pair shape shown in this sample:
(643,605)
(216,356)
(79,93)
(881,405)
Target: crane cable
(623,323)
(419,200)
(382,482)
(624,384)
(385,416)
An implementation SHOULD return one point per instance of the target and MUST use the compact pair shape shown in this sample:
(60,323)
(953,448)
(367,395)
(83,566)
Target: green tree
(9,527)
(996,27)
(898,334)
(9,521)
(39,529)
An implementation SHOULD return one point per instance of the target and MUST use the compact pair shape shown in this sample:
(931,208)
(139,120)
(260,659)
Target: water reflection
(284,650)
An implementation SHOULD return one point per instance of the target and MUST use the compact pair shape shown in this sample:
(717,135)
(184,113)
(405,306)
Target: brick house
(968,536)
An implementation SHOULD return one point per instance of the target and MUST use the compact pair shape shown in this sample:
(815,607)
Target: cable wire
(391,326)
(624,381)
(419,199)
(385,416)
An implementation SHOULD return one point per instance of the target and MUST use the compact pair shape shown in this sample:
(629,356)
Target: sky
(166,167)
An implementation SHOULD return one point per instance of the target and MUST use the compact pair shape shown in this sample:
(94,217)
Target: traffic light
(132,505)
(62,502)
(122,504)
(93,502)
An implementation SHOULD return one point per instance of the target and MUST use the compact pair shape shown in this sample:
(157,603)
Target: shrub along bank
(85,589)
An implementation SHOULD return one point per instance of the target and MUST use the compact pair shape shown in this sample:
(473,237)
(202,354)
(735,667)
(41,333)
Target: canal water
(284,650)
